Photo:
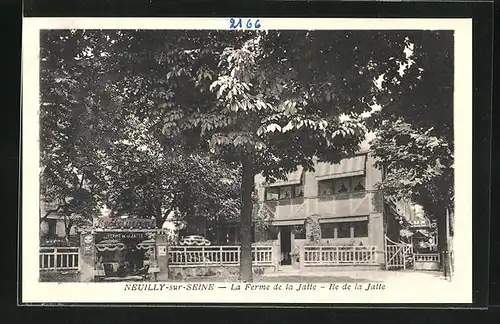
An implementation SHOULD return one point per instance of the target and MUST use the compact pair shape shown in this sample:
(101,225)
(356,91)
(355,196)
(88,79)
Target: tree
(69,146)
(258,105)
(263,102)
(97,151)
(147,180)
(415,130)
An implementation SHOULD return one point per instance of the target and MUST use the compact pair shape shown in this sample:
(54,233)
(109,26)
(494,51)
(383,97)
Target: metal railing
(59,258)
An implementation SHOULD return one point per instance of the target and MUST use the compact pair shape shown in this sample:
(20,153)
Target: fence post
(55,258)
(220,255)
(185,256)
(77,259)
(302,255)
(404,257)
(275,256)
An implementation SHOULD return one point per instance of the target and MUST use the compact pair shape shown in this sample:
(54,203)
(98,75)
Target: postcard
(246,160)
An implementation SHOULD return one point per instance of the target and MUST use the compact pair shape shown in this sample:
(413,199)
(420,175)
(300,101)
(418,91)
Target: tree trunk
(442,236)
(156,210)
(67,229)
(159,222)
(246,273)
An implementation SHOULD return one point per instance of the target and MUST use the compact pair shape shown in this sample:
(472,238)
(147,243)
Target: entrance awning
(288,222)
(293,178)
(147,244)
(346,168)
(110,245)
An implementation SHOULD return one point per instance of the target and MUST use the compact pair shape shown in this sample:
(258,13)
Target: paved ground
(357,276)
(383,276)
(293,275)
(310,279)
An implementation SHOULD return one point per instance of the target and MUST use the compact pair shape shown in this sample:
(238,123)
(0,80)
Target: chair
(143,272)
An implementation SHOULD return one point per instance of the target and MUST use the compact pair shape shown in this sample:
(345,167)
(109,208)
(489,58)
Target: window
(272,233)
(325,188)
(272,193)
(358,183)
(341,185)
(299,232)
(344,230)
(299,191)
(360,229)
(284,192)
(328,230)
(52,223)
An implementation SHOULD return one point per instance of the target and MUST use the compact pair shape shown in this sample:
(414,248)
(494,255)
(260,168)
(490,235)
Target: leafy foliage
(98,149)
(415,131)
(417,163)
(262,102)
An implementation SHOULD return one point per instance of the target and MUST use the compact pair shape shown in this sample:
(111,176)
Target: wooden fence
(59,258)
(338,255)
(398,255)
(426,261)
(218,255)
(427,257)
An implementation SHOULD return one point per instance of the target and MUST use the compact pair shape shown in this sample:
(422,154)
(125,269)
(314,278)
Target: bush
(59,276)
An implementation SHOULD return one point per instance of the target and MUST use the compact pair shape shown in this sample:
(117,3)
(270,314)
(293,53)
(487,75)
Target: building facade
(341,197)
(53,225)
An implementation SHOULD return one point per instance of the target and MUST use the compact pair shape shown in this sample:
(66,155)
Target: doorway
(286,245)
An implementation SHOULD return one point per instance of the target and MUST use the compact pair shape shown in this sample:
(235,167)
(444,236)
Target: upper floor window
(358,183)
(299,191)
(272,193)
(284,192)
(342,185)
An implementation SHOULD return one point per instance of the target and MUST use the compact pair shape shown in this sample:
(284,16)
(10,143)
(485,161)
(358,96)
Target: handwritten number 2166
(238,23)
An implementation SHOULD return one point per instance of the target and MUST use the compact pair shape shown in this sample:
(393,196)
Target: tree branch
(81,181)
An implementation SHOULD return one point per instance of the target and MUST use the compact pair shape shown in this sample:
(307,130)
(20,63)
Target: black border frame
(481,12)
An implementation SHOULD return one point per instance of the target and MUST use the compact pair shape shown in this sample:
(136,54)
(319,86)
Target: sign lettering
(120,235)
(117,223)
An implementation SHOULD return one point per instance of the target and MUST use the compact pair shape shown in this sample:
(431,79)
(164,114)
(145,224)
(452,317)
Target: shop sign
(121,235)
(162,251)
(123,223)
(88,240)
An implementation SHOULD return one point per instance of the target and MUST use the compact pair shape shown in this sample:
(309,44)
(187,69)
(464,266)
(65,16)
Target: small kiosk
(123,249)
